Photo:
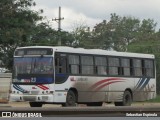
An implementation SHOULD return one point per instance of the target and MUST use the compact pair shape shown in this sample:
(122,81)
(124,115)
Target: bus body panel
(89,90)
(145,89)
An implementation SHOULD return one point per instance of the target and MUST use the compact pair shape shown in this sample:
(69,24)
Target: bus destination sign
(33,51)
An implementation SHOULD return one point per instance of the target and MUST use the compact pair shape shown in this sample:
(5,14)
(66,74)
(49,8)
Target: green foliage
(66,38)
(117,33)
(43,35)
(156,100)
(16,24)
(81,37)
(19,27)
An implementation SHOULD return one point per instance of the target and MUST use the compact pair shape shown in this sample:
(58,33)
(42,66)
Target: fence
(5,81)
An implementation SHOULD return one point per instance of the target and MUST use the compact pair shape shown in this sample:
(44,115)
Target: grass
(157,99)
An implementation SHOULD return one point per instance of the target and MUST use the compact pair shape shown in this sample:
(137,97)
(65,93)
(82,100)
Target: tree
(43,34)
(67,39)
(16,24)
(82,37)
(117,33)
(102,35)
(145,38)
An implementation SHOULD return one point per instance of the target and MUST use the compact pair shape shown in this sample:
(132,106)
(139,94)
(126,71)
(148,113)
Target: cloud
(71,18)
(95,11)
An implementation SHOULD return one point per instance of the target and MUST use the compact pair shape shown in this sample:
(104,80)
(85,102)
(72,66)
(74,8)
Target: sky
(92,12)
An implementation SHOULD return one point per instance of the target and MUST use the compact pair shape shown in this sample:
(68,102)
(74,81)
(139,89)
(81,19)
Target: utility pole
(59,26)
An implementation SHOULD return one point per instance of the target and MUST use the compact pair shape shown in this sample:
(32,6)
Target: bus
(71,76)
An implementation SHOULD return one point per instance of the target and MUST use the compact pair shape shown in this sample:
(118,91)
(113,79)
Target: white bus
(71,76)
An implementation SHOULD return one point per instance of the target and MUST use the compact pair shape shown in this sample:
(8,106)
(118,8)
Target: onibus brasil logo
(15,114)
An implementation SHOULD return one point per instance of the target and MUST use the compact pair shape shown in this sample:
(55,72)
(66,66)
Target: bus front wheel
(127,99)
(70,99)
(35,104)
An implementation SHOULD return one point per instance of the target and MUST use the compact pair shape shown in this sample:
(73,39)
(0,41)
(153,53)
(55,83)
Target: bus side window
(131,67)
(100,65)
(137,64)
(125,65)
(61,64)
(74,64)
(143,68)
(114,66)
(87,65)
(149,68)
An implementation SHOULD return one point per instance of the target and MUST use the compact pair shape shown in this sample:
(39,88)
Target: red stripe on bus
(42,87)
(104,85)
(103,81)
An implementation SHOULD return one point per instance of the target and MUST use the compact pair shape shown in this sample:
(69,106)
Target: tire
(127,99)
(95,104)
(35,104)
(71,99)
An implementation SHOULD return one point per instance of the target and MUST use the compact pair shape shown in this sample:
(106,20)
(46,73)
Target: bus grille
(34,92)
(29,98)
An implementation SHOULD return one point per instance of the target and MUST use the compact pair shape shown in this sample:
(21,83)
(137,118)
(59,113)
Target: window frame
(87,65)
(104,65)
(118,67)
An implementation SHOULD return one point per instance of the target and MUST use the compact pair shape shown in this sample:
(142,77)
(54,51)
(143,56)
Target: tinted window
(137,64)
(101,65)
(74,64)
(149,68)
(87,65)
(125,64)
(114,66)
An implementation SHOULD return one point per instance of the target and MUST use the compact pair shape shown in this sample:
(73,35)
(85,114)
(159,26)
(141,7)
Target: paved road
(138,109)
(26,104)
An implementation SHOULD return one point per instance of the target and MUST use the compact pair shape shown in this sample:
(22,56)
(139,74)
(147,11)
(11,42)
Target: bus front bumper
(32,98)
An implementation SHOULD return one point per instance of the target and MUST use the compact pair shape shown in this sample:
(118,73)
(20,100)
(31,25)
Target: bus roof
(92,51)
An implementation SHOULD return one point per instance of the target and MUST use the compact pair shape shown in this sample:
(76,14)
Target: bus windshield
(32,67)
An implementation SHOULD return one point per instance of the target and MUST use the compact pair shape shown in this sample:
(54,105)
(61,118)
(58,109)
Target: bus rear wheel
(127,99)
(35,104)
(71,99)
